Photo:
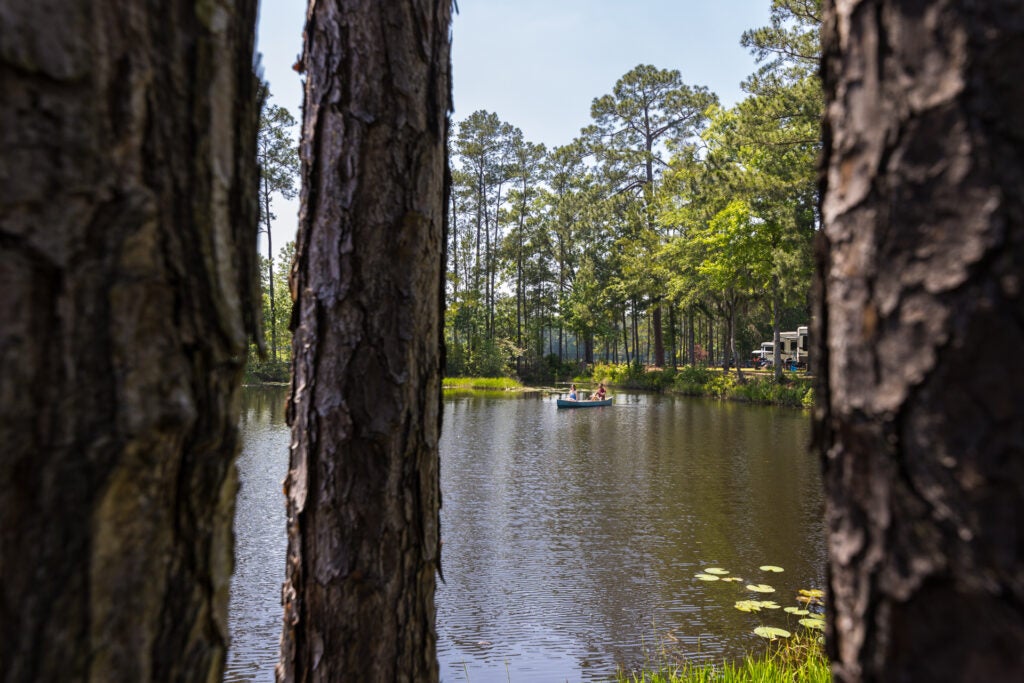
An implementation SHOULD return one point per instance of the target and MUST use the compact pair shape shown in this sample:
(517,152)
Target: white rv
(793,348)
(788,347)
(765,354)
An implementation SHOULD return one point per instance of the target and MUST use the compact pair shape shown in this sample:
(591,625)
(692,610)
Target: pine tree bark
(659,338)
(365,408)
(128,287)
(919,322)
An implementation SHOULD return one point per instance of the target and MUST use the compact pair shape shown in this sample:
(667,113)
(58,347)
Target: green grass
(798,660)
(482,383)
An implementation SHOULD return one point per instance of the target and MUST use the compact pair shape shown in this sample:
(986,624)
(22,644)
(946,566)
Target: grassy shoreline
(795,390)
(482,383)
(798,660)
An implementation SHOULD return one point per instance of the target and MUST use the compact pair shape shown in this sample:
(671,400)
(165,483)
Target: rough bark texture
(920,326)
(127,291)
(659,338)
(363,486)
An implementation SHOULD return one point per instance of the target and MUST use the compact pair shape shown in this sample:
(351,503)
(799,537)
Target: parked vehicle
(803,346)
(794,350)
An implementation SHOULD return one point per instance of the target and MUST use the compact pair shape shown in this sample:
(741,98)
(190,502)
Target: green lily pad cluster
(715,574)
(811,620)
(760,588)
(806,597)
(756,605)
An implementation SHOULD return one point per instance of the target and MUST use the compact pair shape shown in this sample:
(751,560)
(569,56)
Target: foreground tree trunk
(365,410)
(918,310)
(128,287)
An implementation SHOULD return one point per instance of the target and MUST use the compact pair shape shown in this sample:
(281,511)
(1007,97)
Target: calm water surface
(571,537)
(254,613)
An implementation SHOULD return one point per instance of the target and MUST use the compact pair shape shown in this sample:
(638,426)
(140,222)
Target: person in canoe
(572,393)
(599,394)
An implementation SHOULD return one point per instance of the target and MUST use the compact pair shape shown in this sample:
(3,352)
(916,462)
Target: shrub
(808,401)
(790,391)
(692,380)
(268,372)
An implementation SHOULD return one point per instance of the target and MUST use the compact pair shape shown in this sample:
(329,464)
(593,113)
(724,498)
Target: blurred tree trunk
(918,310)
(128,287)
(365,410)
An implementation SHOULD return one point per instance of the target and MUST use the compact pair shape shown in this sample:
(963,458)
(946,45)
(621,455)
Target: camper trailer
(803,347)
(788,347)
(764,355)
(793,349)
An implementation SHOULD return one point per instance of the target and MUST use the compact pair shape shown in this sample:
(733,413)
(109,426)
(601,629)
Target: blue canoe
(563,403)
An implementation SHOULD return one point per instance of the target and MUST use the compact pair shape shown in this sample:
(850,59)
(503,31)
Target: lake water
(572,537)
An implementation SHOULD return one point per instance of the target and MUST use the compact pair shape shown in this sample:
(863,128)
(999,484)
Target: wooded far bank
(671,231)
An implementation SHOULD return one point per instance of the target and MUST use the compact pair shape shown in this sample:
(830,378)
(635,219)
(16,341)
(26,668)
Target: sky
(538,64)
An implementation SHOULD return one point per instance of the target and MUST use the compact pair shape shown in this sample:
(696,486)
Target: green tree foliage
(647,108)
(527,172)
(789,49)
(666,201)
(278,157)
(648,111)
(276,319)
(282,314)
(484,150)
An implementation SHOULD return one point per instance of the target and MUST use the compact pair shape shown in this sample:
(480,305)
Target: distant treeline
(671,231)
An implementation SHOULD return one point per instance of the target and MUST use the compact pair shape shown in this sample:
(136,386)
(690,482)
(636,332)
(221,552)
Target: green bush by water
(630,376)
(793,390)
(267,372)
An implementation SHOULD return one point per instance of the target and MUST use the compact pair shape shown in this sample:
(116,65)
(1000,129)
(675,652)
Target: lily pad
(818,624)
(797,611)
(707,577)
(756,605)
(749,605)
(716,570)
(811,597)
(771,633)
(771,568)
(760,588)
(731,578)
